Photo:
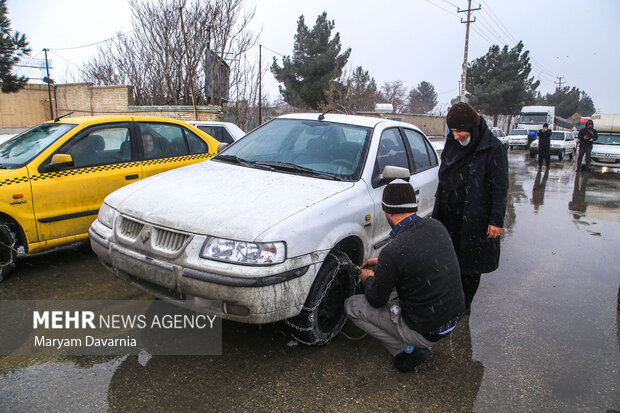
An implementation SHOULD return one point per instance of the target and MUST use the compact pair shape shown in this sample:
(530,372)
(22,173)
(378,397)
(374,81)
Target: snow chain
(342,262)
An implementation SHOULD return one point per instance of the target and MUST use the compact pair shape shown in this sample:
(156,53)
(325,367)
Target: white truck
(532,118)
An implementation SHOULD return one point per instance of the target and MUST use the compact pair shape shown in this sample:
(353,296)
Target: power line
(71,63)
(272,51)
(439,7)
(96,43)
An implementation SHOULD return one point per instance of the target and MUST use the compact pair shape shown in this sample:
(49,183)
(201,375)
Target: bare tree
(152,57)
(355,91)
(394,93)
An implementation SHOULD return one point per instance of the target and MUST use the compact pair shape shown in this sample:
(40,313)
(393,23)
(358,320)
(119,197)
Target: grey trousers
(380,323)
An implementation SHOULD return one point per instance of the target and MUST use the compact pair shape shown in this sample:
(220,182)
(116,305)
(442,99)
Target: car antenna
(62,116)
(322,115)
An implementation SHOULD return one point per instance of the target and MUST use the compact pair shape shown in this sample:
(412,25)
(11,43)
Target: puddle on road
(76,384)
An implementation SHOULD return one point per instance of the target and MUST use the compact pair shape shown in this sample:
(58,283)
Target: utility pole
(260,85)
(559,82)
(464,75)
(48,81)
(189,68)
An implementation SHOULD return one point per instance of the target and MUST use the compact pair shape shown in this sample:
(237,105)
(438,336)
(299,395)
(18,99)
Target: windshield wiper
(241,161)
(287,166)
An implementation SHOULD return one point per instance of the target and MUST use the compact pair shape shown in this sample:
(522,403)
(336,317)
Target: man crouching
(421,263)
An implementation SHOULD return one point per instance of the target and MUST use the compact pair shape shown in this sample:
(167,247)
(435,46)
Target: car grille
(130,228)
(168,240)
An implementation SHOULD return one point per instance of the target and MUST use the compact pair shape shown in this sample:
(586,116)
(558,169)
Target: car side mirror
(391,173)
(221,146)
(395,172)
(60,161)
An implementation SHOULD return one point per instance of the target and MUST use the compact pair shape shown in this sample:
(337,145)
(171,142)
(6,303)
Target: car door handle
(130,177)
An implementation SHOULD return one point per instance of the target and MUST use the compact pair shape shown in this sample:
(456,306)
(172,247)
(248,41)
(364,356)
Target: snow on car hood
(219,199)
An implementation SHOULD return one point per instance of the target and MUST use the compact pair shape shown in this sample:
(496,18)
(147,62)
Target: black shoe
(407,362)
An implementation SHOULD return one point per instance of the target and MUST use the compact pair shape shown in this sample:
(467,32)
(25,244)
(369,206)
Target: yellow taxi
(54,177)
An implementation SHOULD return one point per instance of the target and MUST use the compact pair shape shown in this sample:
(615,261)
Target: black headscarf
(455,158)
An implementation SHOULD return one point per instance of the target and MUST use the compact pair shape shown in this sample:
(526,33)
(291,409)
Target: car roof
(114,118)
(367,121)
(208,122)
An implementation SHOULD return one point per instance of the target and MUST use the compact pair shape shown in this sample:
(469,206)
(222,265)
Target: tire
(532,154)
(571,155)
(323,316)
(561,156)
(8,253)
(510,146)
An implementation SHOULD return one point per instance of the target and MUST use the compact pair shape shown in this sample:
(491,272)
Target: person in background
(471,195)
(586,138)
(544,146)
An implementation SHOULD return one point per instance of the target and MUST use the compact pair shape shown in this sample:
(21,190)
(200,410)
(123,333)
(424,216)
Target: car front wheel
(322,315)
(8,252)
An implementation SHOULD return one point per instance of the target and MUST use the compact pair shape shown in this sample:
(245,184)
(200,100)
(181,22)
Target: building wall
(30,106)
(430,125)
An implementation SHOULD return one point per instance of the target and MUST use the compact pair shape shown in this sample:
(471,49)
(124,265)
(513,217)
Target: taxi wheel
(8,253)
(323,316)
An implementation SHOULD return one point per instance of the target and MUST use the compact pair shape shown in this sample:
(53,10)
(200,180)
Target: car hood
(224,200)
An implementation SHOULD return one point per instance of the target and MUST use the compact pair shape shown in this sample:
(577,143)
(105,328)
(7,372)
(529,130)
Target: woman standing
(471,196)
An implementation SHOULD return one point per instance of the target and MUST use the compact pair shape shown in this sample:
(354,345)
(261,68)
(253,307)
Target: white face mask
(466,142)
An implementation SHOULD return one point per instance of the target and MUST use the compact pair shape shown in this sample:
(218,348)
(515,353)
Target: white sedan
(562,144)
(224,132)
(270,226)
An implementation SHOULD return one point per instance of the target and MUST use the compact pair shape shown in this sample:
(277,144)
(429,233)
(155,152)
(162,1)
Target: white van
(606,149)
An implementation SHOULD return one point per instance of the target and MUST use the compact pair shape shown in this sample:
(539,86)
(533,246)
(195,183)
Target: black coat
(544,139)
(585,135)
(485,202)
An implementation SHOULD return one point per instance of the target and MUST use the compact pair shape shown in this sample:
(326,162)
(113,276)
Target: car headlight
(248,253)
(106,215)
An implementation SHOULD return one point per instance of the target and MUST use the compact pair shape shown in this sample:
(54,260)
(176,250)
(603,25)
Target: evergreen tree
(316,62)
(423,98)
(568,101)
(13,45)
(499,81)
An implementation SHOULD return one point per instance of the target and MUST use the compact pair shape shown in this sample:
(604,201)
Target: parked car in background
(270,226)
(517,137)
(54,177)
(224,132)
(499,134)
(562,144)
(606,149)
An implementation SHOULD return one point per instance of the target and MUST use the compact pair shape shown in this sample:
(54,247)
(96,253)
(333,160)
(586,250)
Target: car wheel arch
(15,226)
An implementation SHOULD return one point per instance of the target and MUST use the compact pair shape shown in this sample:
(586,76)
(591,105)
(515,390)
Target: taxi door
(66,202)
(164,146)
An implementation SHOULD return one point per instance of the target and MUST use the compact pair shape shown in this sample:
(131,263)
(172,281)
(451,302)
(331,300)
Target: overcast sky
(408,40)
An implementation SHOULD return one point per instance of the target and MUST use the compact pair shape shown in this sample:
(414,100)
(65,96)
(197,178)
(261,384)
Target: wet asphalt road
(544,333)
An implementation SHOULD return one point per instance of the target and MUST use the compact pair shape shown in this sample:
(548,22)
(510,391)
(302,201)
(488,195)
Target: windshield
(557,136)
(518,132)
(532,118)
(21,149)
(608,139)
(305,147)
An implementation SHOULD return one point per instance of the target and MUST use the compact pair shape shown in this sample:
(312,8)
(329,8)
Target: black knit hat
(462,116)
(399,198)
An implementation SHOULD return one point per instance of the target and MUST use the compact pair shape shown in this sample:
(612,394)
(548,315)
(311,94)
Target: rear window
(518,132)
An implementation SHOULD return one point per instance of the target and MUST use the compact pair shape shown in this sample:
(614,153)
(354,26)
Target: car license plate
(606,160)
